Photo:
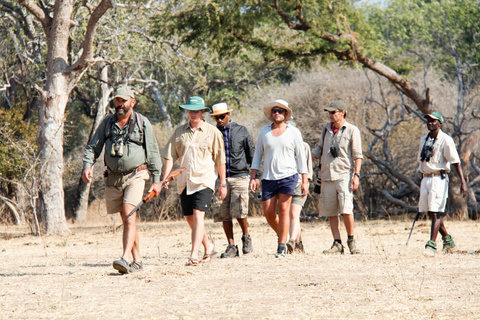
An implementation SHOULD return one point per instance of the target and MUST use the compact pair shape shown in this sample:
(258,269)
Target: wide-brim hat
(435,115)
(124,92)
(337,105)
(220,108)
(194,103)
(267,110)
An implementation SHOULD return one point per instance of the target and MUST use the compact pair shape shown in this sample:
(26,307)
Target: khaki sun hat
(267,110)
(220,108)
(124,92)
(337,105)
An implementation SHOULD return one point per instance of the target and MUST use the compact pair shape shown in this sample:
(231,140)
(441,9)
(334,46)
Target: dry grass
(71,277)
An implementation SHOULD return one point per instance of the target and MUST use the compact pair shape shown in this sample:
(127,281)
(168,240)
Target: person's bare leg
(242,222)
(228,229)
(435,227)
(131,246)
(284,201)
(295,211)
(348,220)
(269,210)
(335,226)
(199,233)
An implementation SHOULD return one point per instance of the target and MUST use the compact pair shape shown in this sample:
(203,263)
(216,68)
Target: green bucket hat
(194,103)
(435,115)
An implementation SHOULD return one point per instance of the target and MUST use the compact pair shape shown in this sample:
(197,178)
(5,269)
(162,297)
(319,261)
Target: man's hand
(464,188)
(253,185)
(156,187)
(355,183)
(305,188)
(222,192)
(87,175)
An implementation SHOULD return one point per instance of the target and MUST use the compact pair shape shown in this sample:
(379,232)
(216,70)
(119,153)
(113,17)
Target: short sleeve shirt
(200,152)
(349,144)
(444,154)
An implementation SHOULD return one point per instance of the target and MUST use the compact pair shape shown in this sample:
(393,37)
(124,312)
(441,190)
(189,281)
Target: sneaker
(448,244)
(353,246)
(247,244)
(231,252)
(337,248)
(299,247)
(121,265)
(281,253)
(291,246)
(430,248)
(136,267)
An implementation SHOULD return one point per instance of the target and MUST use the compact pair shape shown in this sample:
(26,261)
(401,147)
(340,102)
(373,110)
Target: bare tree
(62,76)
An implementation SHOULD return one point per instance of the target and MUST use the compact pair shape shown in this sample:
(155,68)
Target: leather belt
(134,170)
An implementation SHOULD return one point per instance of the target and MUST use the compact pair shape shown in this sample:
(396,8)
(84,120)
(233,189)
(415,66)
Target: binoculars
(334,151)
(117,149)
(426,154)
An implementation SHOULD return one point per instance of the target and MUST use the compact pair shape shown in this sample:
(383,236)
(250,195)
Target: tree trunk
(84,188)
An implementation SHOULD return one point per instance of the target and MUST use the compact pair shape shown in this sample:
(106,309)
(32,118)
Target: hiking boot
(353,246)
(136,267)
(299,247)
(291,246)
(231,252)
(281,253)
(247,244)
(121,265)
(337,248)
(430,248)
(448,244)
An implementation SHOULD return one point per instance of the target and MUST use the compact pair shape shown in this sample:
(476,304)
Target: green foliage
(443,33)
(18,147)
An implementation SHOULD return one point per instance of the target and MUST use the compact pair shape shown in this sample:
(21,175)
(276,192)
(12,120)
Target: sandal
(136,266)
(208,256)
(192,262)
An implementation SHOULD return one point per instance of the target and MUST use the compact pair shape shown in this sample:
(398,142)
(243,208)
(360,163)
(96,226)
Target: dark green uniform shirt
(139,149)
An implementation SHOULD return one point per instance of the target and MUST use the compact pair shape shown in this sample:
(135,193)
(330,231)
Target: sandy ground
(71,277)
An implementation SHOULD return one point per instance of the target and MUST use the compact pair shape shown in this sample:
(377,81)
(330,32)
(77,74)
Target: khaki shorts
(297,196)
(433,194)
(335,198)
(235,204)
(124,189)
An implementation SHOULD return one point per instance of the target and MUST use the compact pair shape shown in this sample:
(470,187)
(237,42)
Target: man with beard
(130,149)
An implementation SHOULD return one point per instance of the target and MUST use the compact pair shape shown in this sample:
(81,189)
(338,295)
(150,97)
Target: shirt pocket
(437,154)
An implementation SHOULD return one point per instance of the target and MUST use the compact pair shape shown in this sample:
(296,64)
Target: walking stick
(414,220)
(152,193)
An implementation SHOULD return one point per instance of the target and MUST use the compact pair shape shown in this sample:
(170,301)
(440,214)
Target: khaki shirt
(444,154)
(200,152)
(349,144)
(139,149)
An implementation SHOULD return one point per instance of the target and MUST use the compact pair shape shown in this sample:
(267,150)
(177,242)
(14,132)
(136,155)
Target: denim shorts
(200,200)
(271,188)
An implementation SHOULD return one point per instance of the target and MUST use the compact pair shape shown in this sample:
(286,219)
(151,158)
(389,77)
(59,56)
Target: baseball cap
(435,115)
(124,92)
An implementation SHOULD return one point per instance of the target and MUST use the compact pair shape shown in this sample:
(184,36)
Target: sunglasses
(333,112)
(279,111)
(220,117)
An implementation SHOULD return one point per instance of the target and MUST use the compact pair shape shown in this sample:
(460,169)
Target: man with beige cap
(239,150)
(281,146)
(340,153)
(130,149)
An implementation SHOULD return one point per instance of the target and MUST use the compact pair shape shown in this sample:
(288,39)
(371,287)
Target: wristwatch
(357,174)
(223,185)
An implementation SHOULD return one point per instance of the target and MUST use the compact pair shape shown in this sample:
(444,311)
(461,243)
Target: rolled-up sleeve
(154,162)
(356,144)
(95,145)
